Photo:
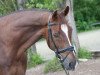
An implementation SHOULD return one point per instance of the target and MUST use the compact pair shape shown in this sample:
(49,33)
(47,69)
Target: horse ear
(65,11)
(55,15)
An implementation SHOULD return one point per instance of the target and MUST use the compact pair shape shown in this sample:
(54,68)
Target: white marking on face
(64,28)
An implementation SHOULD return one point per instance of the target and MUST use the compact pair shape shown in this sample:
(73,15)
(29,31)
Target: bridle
(58,51)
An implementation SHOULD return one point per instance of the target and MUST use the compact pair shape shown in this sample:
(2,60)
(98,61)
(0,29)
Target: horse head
(59,38)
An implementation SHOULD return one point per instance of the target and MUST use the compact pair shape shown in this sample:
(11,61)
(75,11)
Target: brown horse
(20,30)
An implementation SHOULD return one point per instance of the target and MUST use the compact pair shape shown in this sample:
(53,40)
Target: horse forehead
(64,28)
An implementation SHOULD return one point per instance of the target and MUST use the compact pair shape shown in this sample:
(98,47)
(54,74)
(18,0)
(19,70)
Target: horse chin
(69,64)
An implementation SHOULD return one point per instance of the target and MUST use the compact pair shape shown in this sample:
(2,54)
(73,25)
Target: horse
(20,30)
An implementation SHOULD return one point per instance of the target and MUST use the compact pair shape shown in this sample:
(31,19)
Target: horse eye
(56,35)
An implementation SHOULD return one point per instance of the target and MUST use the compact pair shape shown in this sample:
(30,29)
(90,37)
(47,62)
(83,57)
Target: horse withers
(20,30)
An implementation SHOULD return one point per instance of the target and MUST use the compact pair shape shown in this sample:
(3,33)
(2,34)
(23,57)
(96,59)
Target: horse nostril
(72,65)
(69,64)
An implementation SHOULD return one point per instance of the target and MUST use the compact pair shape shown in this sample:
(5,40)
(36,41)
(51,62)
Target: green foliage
(52,66)
(86,12)
(45,4)
(86,9)
(34,59)
(84,53)
(7,6)
(84,25)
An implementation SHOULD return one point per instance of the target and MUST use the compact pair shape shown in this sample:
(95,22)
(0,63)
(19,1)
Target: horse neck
(36,21)
(39,25)
(25,26)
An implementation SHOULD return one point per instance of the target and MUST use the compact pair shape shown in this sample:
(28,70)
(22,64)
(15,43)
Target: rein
(58,51)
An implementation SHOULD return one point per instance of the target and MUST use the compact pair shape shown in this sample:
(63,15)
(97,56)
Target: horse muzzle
(69,64)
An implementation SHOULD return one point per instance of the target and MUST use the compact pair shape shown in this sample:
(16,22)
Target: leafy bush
(84,25)
(86,9)
(45,4)
(52,66)
(7,6)
(34,59)
(84,53)
(86,12)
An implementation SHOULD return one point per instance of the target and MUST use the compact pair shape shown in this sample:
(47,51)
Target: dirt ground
(90,67)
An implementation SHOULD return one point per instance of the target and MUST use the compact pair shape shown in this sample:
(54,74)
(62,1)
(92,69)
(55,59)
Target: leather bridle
(59,51)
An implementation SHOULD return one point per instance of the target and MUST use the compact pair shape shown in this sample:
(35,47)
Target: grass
(84,53)
(34,59)
(52,66)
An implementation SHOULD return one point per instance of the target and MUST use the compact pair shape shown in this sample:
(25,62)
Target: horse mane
(33,9)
